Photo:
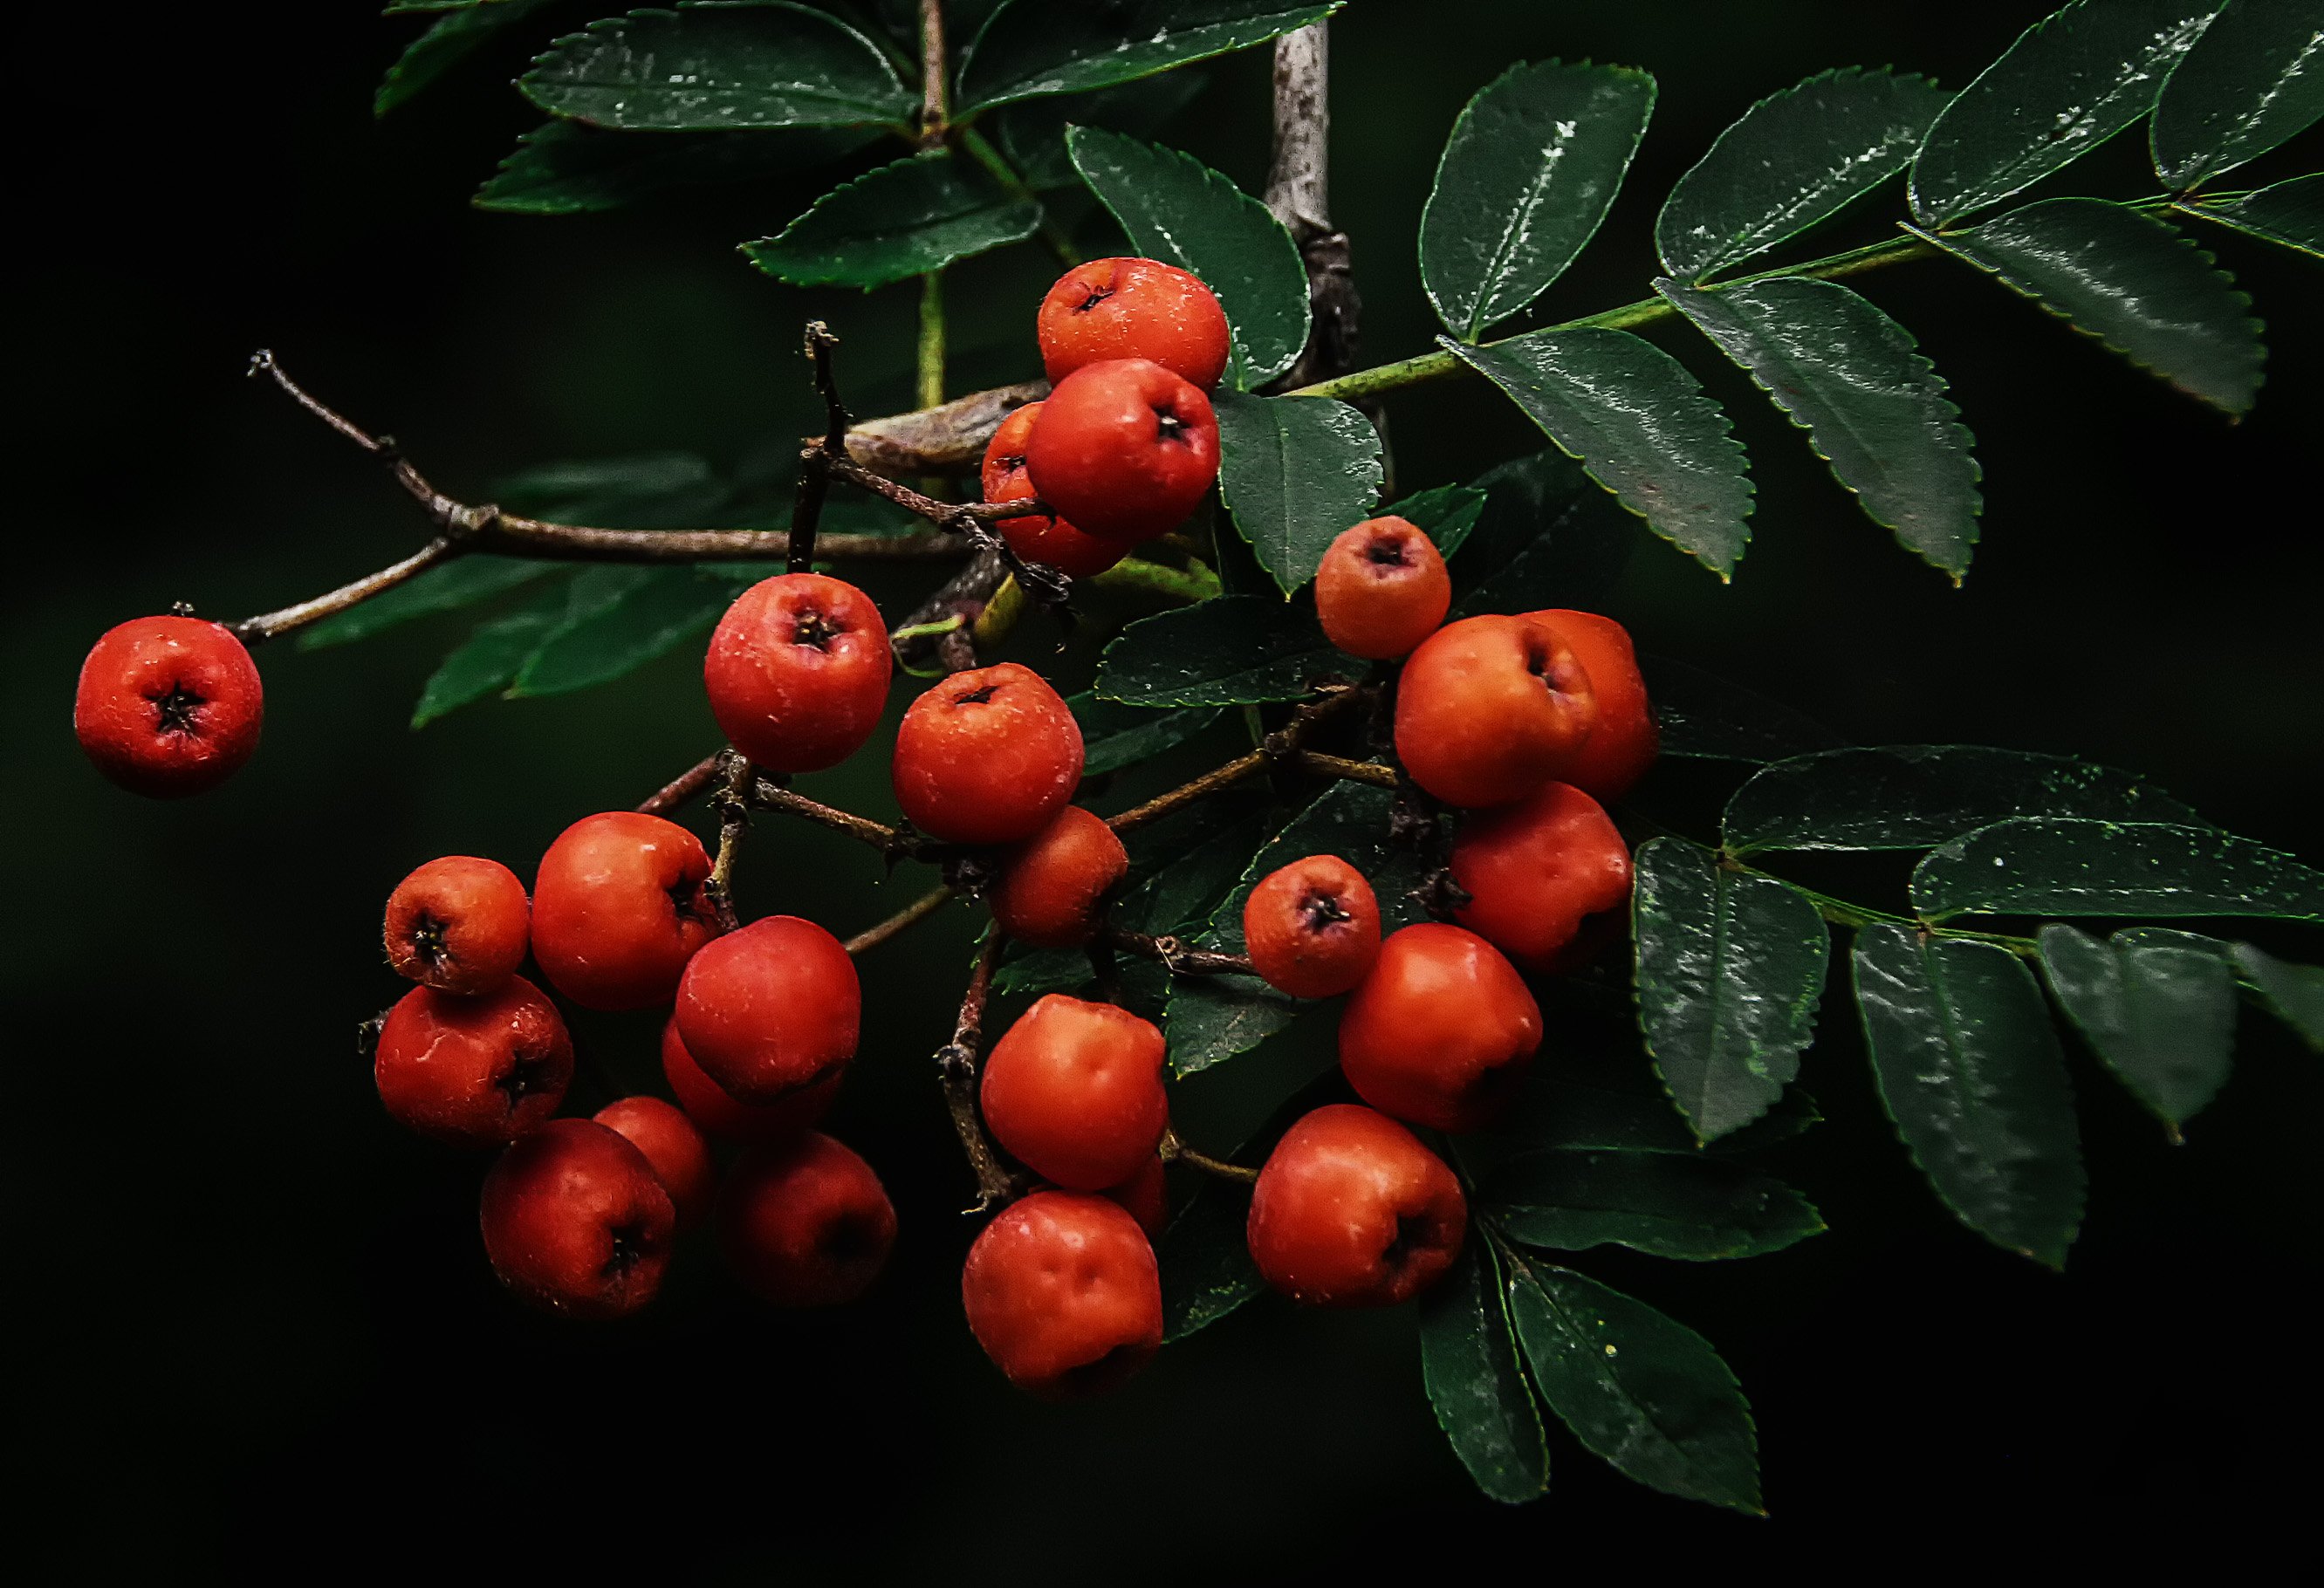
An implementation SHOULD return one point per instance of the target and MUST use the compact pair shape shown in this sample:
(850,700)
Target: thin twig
(733,820)
(815,468)
(956,1066)
(1175,1150)
(894,842)
(267,625)
(911,916)
(1174,957)
(683,787)
(933,110)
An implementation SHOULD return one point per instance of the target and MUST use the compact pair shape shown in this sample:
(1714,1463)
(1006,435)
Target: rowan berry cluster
(1520,724)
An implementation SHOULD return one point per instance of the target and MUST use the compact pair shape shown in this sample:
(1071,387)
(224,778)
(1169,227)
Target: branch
(1174,957)
(947,439)
(733,820)
(815,468)
(911,916)
(1298,192)
(1175,1150)
(682,788)
(932,73)
(267,625)
(956,1066)
(896,844)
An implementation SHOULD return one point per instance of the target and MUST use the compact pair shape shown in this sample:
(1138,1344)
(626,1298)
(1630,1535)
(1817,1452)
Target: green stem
(1187,584)
(980,149)
(932,339)
(1841,913)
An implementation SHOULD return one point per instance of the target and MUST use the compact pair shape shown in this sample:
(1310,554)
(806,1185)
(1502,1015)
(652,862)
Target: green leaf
(448,41)
(1639,424)
(567,168)
(446,588)
(2066,87)
(1229,650)
(1546,529)
(1180,211)
(648,491)
(2294,994)
(1204,1256)
(2158,1007)
(715,65)
(903,220)
(1028,48)
(2133,283)
(485,664)
(1468,1361)
(1446,514)
(1032,135)
(1797,158)
(1915,796)
(1730,967)
(1532,166)
(619,623)
(1561,1113)
(1705,718)
(2254,78)
(1971,1073)
(1700,1209)
(2067,866)
(398,7)
(1115,736)
(1295,471)
(1873,407)
(1646,1393)
(2288,212)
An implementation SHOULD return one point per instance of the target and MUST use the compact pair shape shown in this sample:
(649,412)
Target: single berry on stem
(477,1072)
(1116,309)
(771,1010)
(1124,449)
(459,924)
(987,756)
(672,1145)
(1039,537)
(1052,885)
(1062,1291)
(1382,589)
(797,672)
(1538,873)
(618,909)
(1350,1210)
(1489,708)
(805,1223)
(576,1220)
(1074,1090)
(167,706)
(1442,1031)
(1312,928)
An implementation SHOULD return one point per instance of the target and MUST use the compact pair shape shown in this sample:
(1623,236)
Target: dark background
(261,1315)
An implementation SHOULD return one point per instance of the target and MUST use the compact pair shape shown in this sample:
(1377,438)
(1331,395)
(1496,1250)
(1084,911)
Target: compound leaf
(1028,48)
(1532,166)
(903,220)
(1295,471)
(1873,407)
(1794,159)
(2158,1008)
(1970,1070)
(2288,212)
(2069,83)
(2073,866)
(1468,1361)
(2254,78)
(1639,424)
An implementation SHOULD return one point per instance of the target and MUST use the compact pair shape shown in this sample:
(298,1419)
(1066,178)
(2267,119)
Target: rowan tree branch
(933,109)
(1174,957)
(734,778)
(956,1068)
(682,788)
(1175,1150)
(911,916)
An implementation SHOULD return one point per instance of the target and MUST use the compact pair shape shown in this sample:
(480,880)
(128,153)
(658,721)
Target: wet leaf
(1228,650)
(2254,78)
(1468,1361)
(917,215)
(1295,471)
(2061,865)
(2158,1007)
(1661,1203)
(1028,48)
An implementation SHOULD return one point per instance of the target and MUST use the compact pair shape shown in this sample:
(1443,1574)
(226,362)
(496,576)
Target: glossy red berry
(1042,538)
(723,1114)
(459,924)
(1125,449)
(672,1145)
(167,706)
(1350,1210)
(576,1220)
(1624,743)
(797,672)
(1074,1090)
(1489,708)
(1312,928)
(1146,1197)
(1535,872)
(770,1010)
(1054,884)
(805,1223)
(618,909)
(1062,1291)
(1115,308)
(1442,1031)
(479,1071)
(987,756)
(1382,589)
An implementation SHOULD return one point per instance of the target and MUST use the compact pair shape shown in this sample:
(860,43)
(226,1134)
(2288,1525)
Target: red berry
(1442,1031)
(1488,710)
(576,1220)
(1623,744)
(722,1113)
(1146,1197)
(771,1010)
(1114,308)
(1124,449)
(618,909)
(1382,589)
(478,1071)
(1312,928)
(1054,883)
(805,1223)
(672,1145)
(797,672)
(987,756)
(167,706)
(458,924)
(1536,871)
(1350,1210)
(1039,538)
(1073,1089)
(1062,1292)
